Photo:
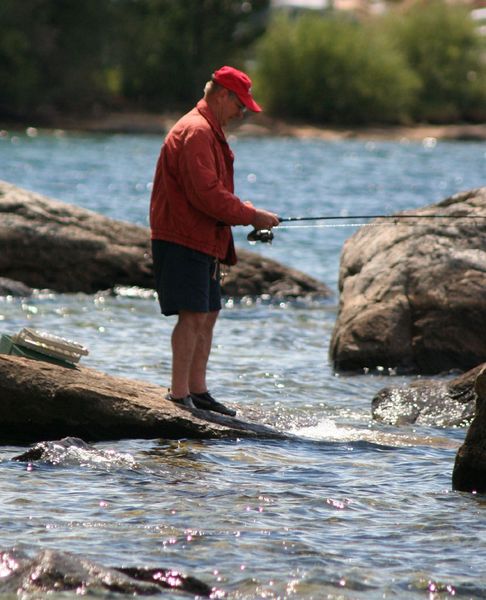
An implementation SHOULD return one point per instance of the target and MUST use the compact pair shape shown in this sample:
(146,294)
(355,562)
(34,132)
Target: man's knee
(211,318)
(194,320)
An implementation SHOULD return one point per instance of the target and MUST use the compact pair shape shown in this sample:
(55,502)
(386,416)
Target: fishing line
(325,225)
(266,235)
(391,217)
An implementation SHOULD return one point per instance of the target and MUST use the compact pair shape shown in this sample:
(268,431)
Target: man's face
(231,107)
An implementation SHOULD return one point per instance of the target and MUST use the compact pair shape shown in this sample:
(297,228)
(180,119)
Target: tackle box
(38,345)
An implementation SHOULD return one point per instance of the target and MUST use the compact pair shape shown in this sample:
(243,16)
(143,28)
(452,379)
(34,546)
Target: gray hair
(210,88)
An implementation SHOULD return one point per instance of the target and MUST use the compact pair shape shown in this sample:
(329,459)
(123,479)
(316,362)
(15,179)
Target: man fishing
(192,209)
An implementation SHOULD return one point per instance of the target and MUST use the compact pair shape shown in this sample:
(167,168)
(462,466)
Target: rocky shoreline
(257,126)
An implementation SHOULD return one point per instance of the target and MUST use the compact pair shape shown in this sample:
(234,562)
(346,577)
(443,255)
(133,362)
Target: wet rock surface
(49,244)
(41,401)
(51,571)
(412,294)
(469,474)
(429,402)
(68,449)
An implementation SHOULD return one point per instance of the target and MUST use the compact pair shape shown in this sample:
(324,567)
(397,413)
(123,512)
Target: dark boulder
(255,275)
(469,474)
(51,571)
(412,294)
(430,402)
(49,244)
(41,401)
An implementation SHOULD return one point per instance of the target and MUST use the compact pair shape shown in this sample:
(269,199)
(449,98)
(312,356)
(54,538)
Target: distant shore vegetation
(425,64)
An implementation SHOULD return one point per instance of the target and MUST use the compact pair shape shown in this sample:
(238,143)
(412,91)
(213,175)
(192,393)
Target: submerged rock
(49,244)
(469,474)
(51,571)
(412,294)
(55,451)
(41,401)
(428,402)
(9,287)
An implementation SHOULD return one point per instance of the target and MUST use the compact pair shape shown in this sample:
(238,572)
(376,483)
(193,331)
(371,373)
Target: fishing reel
(260,235)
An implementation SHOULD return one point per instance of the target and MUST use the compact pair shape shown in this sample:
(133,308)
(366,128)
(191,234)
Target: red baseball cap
(237,82)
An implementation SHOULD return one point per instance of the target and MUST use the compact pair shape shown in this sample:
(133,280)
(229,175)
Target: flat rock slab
(49,244)
(41,401)
(469,474)
(435,403)
(412,293)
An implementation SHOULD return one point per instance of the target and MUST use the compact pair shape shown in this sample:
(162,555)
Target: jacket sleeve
(205,189)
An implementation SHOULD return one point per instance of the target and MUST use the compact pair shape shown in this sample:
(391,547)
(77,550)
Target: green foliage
(51,55)
(172,47)
(332,70)
(72,56)
(75,55)
(447,53)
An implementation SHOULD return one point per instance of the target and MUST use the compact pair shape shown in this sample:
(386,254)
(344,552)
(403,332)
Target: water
(355,509)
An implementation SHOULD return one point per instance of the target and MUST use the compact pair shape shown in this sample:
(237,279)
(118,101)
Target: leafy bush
(67,56)
(52,56)
(332,70)
(170,48)
(443,47)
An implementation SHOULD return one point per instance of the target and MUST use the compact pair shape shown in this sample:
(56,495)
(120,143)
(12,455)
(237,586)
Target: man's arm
(209,195)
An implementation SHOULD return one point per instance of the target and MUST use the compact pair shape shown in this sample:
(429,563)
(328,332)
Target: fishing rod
(266,235)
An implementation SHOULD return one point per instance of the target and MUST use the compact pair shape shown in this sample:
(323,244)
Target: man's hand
(264,219)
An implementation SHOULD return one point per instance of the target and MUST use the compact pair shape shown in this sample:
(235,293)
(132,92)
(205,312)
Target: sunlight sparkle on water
(183,504)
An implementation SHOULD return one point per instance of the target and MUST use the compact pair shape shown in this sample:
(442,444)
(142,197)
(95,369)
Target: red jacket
(193,188)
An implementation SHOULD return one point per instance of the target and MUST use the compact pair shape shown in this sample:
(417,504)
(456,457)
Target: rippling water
(353,509)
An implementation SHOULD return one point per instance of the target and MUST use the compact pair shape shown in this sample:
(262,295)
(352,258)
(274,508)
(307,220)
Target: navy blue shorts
(185,279)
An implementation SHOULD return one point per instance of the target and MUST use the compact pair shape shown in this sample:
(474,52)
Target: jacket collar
(203,107)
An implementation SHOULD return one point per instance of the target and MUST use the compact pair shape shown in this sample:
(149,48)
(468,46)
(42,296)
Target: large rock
(429,402)
(412,295)
(255,275)
(469,472)
(51,572)
(49,244)
(41,401)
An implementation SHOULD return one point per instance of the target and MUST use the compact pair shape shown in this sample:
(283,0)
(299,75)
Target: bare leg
(192,335)
(197,373)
